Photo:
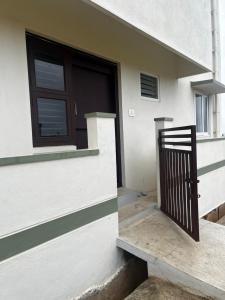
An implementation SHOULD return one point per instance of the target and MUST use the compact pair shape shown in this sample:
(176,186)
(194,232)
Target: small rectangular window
(149,86)
(202,113)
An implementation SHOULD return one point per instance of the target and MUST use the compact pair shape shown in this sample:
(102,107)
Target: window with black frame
(50,96)
(202,114)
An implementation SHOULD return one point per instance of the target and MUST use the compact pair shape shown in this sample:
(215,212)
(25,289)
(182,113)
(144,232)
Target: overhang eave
(209,86)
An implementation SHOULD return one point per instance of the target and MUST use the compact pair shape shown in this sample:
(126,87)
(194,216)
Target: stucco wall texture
(184,25)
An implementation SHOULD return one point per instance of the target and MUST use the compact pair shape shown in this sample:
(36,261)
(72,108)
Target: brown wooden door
(94,90)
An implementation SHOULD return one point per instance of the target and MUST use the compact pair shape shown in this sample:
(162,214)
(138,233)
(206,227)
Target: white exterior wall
(210,152)
(211,186)
(221,5)
(183,25)
(134,54)
(212,191)
(65,267)
(38,193)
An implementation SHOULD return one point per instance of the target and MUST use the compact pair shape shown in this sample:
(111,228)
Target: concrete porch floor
(170,253)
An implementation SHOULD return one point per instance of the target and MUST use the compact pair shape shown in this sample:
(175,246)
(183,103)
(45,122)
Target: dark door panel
(94,91)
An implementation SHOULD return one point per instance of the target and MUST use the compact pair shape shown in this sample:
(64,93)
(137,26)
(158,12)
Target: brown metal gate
(178,177)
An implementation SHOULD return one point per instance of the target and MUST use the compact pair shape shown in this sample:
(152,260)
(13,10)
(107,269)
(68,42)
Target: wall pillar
(160,123)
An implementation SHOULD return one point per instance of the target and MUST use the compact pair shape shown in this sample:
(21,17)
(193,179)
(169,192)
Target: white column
(101,135)
(160,123)
(101,131)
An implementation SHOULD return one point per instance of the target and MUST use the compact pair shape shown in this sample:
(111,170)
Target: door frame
(117,96)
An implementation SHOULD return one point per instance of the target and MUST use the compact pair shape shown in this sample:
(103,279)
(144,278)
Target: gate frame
(190,183)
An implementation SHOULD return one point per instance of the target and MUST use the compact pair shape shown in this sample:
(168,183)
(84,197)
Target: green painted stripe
(210,168)
(41,157)
(210,140)
(29,238)
(99,115)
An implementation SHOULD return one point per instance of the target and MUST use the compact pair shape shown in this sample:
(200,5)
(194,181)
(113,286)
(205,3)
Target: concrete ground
(157,289)
(171,253)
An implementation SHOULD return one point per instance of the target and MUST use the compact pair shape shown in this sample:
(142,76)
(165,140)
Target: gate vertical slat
(166,179)
(173,185)
(188,192)
(178,187)
(174,191)
(178,178)
(169,182)
(180,190)
(183,195)
(185,189)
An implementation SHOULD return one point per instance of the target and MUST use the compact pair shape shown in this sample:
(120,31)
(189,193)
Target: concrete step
(127,196)
(172,255)
(136,210)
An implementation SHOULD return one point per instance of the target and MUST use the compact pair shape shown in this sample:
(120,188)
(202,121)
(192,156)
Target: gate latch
(192,181)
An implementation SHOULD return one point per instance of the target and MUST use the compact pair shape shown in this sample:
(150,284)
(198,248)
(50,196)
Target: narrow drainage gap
(134,273)
(217,215)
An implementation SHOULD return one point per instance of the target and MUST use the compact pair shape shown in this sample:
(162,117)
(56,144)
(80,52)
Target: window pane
(199,121)
(49,75)
(205,113)
(52,117)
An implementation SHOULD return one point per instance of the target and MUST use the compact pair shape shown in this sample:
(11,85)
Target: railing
(178,177)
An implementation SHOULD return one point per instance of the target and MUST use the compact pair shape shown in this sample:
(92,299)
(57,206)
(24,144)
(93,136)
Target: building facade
(81,84)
